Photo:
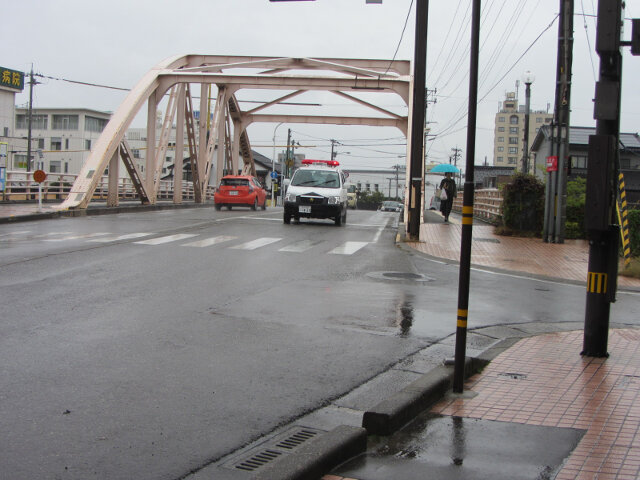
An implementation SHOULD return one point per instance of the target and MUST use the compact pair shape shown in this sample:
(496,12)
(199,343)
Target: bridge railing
(487,205)
(20,186)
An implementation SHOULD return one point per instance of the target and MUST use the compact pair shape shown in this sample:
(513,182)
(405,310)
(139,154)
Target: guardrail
(487,205)
(20,186)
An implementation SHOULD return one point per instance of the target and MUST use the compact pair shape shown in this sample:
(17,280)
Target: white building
(61,137)
(11,82)
(390,181)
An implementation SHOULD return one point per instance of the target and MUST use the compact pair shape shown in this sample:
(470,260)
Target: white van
(317,190)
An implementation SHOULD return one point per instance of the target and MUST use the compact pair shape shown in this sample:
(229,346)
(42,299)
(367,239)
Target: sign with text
(552,163)
(11,79)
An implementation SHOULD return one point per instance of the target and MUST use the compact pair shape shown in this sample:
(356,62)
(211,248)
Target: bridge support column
(152,107)
(178,162)
(114,166)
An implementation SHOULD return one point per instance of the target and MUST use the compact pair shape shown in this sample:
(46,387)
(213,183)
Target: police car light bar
(330,163)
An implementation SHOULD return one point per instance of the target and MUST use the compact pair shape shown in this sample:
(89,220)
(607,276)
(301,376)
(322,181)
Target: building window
(359,186)
(501,129)
(578,162)
(87,144)
(513,150)
(513,119)
(501,139)
(65,122)
(38,122)
(501,119)
(93,124)
(136,153)
(66,144)
(539,119)
(66,167)
(501,149)
(41,143)
(500,159)
(54,166)
(375,187)
(513,130)
(19,161)
(512,160)
(509,105)
(368,187)
(513,140)
(56,143)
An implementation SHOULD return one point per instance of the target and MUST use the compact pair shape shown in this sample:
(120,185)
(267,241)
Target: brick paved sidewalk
(555,386)
(567,260)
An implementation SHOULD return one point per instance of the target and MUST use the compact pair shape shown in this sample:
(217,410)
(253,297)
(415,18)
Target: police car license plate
(304,208)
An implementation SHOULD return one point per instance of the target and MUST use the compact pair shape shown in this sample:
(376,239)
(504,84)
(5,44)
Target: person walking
(448,185)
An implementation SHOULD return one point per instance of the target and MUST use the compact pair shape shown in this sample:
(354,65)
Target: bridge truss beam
(218,139)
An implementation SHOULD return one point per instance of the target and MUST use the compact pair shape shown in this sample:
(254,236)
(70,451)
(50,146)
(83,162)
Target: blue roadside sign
(274,174)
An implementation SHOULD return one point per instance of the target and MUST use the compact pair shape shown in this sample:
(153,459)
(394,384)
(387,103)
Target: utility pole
(464,277)
(602,174)
(556,192)
(32,82)
(416,167)
(456,155)
(287,162)
(333,152)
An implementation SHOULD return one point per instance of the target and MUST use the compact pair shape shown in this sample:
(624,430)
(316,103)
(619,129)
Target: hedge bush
(370,200)
(523,204)
(576,197)
(634,231)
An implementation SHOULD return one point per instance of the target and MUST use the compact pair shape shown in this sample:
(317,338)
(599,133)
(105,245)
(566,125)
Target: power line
(401,36)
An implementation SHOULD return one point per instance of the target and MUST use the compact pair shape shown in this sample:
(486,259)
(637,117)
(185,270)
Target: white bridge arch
(220,143)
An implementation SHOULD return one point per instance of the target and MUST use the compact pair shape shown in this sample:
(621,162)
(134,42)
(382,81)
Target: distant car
(391,206)
(352,196)
(240,190)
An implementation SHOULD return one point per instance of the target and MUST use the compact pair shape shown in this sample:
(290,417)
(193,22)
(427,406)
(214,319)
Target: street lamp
(273,163)
(528,79)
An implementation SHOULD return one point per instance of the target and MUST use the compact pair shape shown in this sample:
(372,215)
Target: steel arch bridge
(218,144)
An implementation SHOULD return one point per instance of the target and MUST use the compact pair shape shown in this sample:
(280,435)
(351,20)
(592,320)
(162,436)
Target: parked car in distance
(352,196)
(240,190)
(391,206)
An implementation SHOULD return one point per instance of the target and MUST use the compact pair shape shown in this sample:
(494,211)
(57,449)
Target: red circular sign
(39,176)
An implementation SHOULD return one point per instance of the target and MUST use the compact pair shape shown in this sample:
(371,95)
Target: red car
(241,190)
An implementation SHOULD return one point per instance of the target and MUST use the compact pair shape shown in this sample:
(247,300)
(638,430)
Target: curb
(99,211)
(318,456)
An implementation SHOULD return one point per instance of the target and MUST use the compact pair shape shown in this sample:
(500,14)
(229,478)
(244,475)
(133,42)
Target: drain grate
(272,449)
(513,375)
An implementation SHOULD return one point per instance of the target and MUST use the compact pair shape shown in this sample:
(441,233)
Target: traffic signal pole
(602,173)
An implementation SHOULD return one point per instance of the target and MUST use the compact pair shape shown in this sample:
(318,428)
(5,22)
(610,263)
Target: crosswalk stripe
(76,237)
(127,236)
(207,242)
(299,247)
(348,248)
(167,239)
(260,242)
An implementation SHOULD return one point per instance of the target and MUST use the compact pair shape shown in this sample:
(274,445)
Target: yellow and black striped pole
(623,220)
(467,208)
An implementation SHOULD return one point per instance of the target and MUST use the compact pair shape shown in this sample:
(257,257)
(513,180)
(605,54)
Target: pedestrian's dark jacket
(449,184)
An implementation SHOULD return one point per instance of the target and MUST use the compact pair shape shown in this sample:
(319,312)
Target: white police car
(317,190)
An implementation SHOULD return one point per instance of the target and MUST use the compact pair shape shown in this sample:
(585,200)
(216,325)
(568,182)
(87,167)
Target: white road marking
(207,242)
(260,242)
(299,247)
(126,236)
(167,239)
(348,248)
(76,237)
(20,232)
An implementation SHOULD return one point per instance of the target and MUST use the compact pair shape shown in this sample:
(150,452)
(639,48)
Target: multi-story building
(11,144)
(61,137)
(509,131)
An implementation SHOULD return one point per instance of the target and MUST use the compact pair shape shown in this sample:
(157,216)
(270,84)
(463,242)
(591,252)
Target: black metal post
(602,175)
(467,207)
(417,119)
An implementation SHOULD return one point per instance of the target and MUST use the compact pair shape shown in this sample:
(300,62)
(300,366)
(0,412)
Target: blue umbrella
(445,168)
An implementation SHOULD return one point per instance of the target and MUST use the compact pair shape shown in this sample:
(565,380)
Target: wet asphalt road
(125,355)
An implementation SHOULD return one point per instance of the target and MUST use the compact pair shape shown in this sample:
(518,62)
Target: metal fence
(20,186)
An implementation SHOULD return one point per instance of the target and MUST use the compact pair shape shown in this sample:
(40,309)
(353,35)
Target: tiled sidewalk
(543,381)
(567,260)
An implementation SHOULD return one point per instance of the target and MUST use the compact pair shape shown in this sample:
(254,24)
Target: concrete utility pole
(556,193)
(602,174)
(416,167)
(467,206)
(528,80)
(456,155)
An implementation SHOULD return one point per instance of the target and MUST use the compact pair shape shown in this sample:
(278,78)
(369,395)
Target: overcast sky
(114,43)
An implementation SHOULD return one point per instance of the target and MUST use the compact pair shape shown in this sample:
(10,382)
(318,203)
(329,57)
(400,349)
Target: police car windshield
(316,178)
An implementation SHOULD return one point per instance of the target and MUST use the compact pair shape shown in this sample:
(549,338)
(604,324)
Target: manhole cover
(513,375)
(396,276)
